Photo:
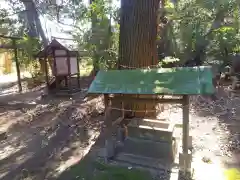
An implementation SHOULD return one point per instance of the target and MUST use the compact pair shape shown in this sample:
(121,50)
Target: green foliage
(168,60)
(30,47)
(101,39)
(211,26)
(194,27)
(14,26)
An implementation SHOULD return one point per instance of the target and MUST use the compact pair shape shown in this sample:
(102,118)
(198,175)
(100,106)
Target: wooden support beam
(185,123)
(123,107)
(46,73)
(78,72)
(69,84)
(9,46)
(17,66)
(146,100)
(109,143)
(10,37)
(185,157)
(70,39)
(117,121)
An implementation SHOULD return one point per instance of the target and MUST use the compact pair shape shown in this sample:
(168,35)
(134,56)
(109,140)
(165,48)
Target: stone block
(151,149)
(141,161)
(110,147)
(147,129)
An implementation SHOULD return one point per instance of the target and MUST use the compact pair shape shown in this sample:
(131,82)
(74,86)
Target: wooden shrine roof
(55,45)
(162,81)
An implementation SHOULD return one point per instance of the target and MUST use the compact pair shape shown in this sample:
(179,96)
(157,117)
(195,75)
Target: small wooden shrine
(61,68)
(150,138)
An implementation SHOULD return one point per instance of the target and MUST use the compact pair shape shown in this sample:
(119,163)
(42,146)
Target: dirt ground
(47,136)
(215,129)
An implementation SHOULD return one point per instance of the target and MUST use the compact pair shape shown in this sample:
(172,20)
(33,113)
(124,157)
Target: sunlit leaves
(211,25)
(7,24)
(225,29)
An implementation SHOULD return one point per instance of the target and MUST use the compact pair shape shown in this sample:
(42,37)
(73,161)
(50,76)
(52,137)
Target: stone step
(154,166)
(142,161)
(153,123)
(159,150)
(159,169)
(148,129)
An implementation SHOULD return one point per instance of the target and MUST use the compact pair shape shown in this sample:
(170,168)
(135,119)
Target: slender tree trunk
(94,29)
(138,33)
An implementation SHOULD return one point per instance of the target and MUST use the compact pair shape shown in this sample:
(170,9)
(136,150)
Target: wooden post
(109,144)
(17,65)
(125,134)
(69,73)
(55,73)
(122,109)
(78,71)
(185,158)
(46,70)
(185,123)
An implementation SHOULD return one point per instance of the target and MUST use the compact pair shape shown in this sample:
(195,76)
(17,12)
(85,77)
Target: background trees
(202,31)
(195,31)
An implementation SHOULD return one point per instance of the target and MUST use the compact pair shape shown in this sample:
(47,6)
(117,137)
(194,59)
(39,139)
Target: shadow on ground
(53,139)
(40,145)
(92,169)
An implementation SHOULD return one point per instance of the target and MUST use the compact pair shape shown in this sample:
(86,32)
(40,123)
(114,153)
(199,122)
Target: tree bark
(94,27)
(137,45)
(34,24)
(138,32)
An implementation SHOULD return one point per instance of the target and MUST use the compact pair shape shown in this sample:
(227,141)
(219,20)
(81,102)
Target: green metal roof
(172,81)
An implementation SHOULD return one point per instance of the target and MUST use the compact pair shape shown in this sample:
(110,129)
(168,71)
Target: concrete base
(146,148)
(150,138)
(109,149)
(185,176)
(185,161)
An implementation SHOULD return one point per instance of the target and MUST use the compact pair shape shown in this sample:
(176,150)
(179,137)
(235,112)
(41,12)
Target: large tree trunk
(34,25)
(138,33)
